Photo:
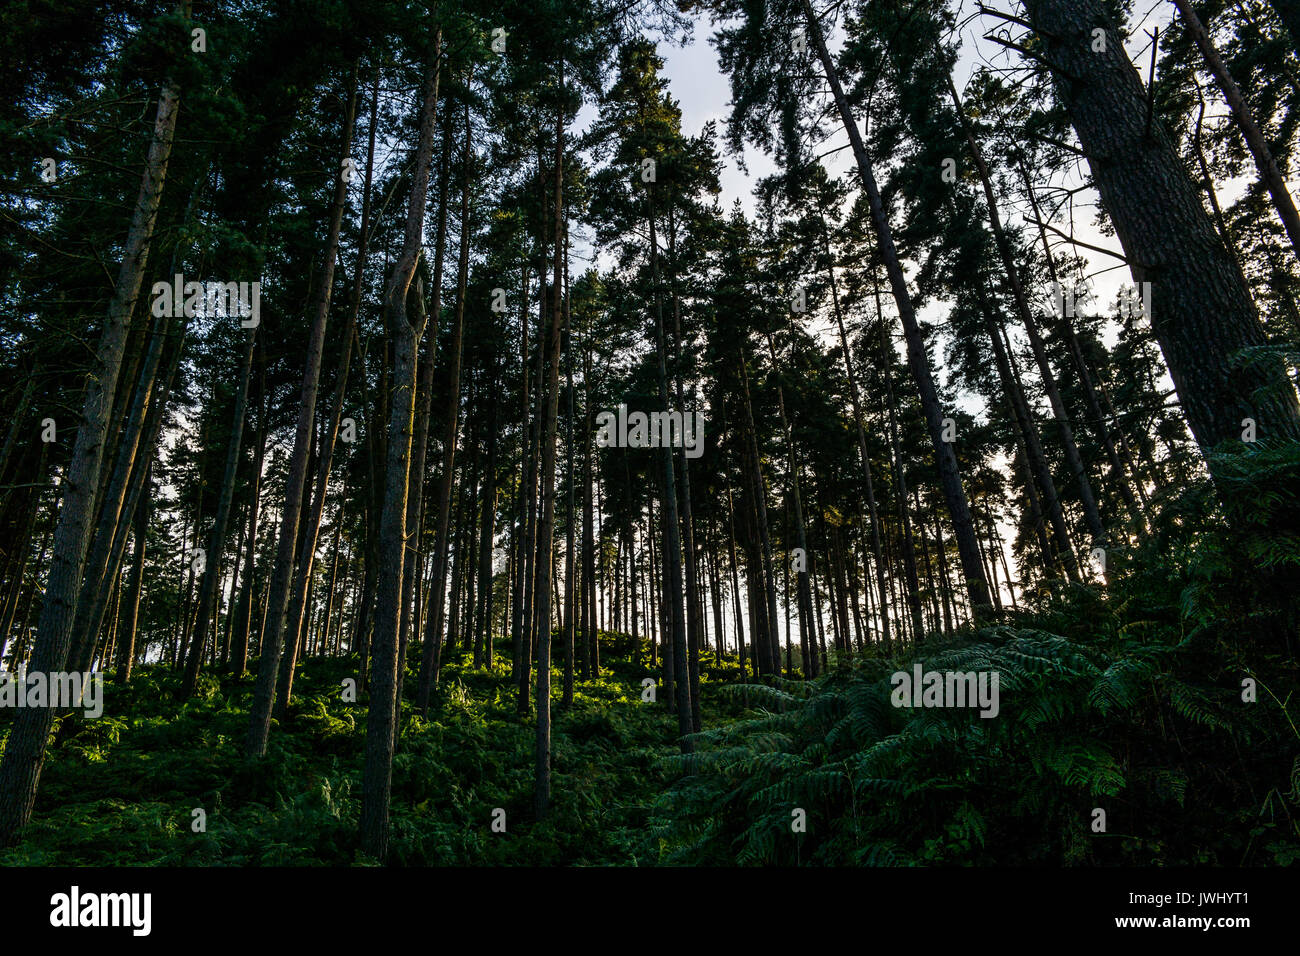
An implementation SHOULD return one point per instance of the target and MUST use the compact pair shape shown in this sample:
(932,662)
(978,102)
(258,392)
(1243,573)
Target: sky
(703,94)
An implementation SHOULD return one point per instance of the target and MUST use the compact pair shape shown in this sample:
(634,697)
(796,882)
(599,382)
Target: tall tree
(1201,312)
(405,323)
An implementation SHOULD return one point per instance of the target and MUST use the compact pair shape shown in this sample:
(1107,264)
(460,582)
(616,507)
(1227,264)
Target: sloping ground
(122,790)
(1119,735)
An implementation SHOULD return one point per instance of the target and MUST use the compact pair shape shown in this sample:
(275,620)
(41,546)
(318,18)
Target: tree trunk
(587,597)
(872,512)
(1011,278)
(570,542)
(126,644)
(483,642)
(546,524)
(20,768)
(217,537)
(273,640)
(735,578)
(770,657)
(415,513)
(675,623)
(693,620)
(900,477)
(381,722)
(801,540)
(1203,316)
(1031,442)
(432,652)
(945,458)
(298,602)
(1118,473)
(1250,131)
(244,614)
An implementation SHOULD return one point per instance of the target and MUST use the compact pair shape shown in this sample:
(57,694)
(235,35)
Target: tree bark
(1011,279)
(546,526)
(298,602)
(432,652)
(1203,316)
(873,513)
(126,644)
(244,614)
(672,571)
(273,640)
(217,537)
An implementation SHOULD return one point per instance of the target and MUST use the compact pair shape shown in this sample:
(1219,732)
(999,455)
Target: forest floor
(1122,738)
(123,789)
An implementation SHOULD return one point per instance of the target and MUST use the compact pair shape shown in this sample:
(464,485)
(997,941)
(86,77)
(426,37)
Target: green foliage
(1129,699)
(121,790)
(1136,728)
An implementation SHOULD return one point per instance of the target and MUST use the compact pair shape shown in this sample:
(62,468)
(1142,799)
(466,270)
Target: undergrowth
(1164,701)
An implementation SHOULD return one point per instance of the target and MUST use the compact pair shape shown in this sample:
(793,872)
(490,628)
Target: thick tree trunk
(382,719)
(101,569)
(1202,314)
(87,627)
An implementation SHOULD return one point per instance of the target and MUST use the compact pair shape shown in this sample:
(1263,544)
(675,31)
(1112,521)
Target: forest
(649,433)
